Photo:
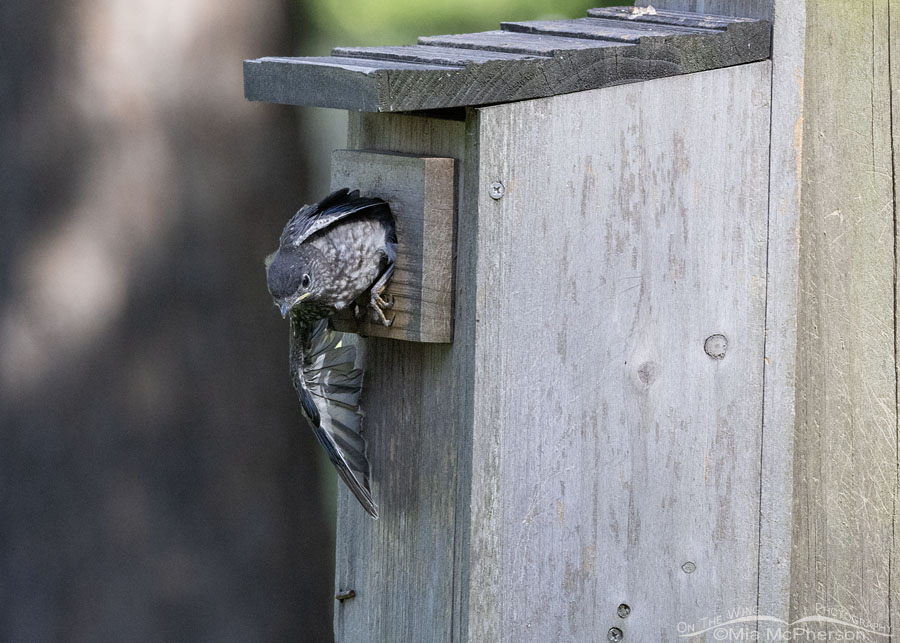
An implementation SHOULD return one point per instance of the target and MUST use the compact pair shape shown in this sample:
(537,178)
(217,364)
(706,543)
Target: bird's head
(295,276)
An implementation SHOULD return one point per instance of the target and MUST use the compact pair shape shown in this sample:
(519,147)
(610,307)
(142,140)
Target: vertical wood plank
(417,402)
(785,142)
(479,576)
(846,446)
(894,85)
(615,460)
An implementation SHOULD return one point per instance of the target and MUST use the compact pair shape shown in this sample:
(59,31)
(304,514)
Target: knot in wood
(715,346)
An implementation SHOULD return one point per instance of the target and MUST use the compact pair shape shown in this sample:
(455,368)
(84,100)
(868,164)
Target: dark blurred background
(156,480)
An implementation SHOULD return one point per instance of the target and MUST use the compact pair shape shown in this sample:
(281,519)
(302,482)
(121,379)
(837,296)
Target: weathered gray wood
(894,58)
(514,42)
(661,16)
(781,313)
(452,56)
(846,450)
(421,191)
(609,450)
(600,29)
(417,398)
(604,53)
(340,82)
(760,9)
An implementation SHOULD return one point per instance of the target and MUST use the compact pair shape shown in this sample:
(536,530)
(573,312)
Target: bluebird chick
(334,254)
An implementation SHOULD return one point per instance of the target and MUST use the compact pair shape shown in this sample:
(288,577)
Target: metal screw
(497,190)
(689,568)
(715,346)
(623,611)
(615,634)
(343,596)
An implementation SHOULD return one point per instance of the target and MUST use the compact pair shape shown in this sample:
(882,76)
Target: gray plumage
(335,254)
(327,371)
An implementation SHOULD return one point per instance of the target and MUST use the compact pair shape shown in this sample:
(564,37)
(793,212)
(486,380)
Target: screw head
(497,190)
(623,610)
(689,568)
(615,634)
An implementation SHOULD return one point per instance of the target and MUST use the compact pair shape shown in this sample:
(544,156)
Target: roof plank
(512,42)
(667,17)
(452,56)
(598,28)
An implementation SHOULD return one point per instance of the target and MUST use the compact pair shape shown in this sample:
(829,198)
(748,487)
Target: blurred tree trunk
(156,480)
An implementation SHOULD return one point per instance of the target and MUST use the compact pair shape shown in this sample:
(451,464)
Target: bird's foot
(384,301)
(379,305)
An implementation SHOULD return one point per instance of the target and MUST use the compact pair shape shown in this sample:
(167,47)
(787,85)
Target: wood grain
(609,449)
(668,17)
(516,42)
(421,191)
(894,59)
(562,56)
(451,56)
(340,82)
(846,455)
(601,29)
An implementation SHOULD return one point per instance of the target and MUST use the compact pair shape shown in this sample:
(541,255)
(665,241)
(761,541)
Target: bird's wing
(327,368)
(315,217)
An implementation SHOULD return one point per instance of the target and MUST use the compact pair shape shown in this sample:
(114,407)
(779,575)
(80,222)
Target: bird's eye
(304,282)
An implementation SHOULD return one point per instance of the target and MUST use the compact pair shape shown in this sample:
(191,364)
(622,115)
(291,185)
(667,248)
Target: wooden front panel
(617,442)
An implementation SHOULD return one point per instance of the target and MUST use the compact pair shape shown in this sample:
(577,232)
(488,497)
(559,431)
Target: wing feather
(312,218)
(327,368)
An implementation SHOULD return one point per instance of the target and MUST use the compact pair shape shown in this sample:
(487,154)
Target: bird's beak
(285,307)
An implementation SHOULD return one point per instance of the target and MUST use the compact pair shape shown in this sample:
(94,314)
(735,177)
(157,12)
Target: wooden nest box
(566,445)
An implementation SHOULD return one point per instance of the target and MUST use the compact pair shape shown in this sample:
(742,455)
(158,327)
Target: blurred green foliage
(399,22)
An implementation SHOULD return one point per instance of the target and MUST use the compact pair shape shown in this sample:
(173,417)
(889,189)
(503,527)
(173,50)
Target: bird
(336,254)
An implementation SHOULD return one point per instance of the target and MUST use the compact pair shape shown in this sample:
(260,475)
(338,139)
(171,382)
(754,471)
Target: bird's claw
(385,302)
(379,305)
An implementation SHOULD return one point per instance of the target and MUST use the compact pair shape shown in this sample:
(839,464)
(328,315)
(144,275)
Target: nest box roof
(521,60)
